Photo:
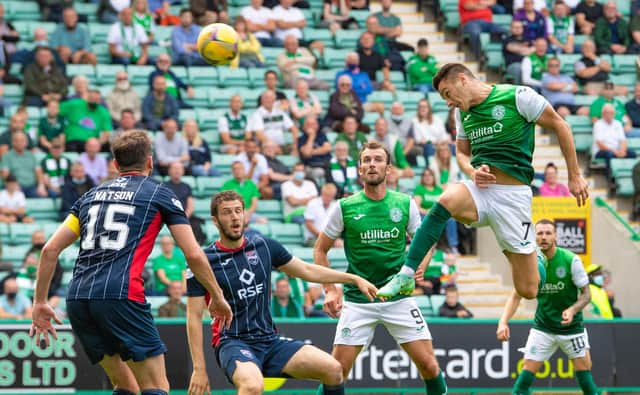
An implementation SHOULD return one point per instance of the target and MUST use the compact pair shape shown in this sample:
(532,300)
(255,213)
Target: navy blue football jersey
(119,223)
(244,274)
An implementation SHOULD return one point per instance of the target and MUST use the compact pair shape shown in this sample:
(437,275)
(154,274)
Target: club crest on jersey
(395,214)
(246,353)
(561,272)
(498,112)
(252,257)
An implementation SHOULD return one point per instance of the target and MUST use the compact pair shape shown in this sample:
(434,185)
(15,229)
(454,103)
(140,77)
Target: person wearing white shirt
(289,20)
(296,194)
(609,140)
(269,122)
(538,5)
(255,164)
(428,129)
(260,21)
(317,212)
(13,202)
(127,41)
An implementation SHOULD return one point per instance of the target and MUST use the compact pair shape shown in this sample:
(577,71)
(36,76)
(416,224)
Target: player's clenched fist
(220,310)
(503,332)
(333,303)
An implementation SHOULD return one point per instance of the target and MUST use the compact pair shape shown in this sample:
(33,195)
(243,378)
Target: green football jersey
(565,277)
(501,130)
(374,233)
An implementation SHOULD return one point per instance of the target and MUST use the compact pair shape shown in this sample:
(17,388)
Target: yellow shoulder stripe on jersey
(73,223)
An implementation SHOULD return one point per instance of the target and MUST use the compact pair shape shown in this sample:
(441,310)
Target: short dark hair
(546,221)
(450,288)
(183,10)
(552,165)
(266,73)
(224,196)
(374,145)
(10,178)
(131,150)
(423,42)
(127,111)
(448,70)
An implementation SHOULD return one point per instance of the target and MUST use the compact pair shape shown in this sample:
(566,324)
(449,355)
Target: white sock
(407,270)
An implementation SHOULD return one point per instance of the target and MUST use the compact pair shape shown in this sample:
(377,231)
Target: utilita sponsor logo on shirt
(372,236)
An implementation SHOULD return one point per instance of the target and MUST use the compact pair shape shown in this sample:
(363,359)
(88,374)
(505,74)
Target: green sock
(427,235)
(436,385)
(523,383)
(585,379)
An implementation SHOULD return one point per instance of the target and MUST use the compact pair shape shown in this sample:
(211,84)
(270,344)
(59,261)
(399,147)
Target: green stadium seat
(208,186)
(99,32)
(191,181)
(264,229)
(624,187)
(21,233)
(437,103)
(87,70)
(396,77)
(228,77)
(347,38)
(624,64)
(385,97)
(271,209)
(181,72)
(627,80)
(328,76)
(270,56)
(90,10)
(583,142)
(156,302)
(567,60)
(101,50)
(13,93)
(141,90)
(42,209)
(323,96)
(452,20)
(338,259)
(163,33)
(322,34)
(622,167)
(334,58)
(15,254)
(186,114)
(249,97)
(584,100)
(633,143)
(410,99)
(424,304)
(139,75)
(288,160)
(256,76)
(203,76)
(22,10)
(211,230)
(106,73)
(436,302)
(49,27)
(370,118)
(23,28)
(211,137)
(580,124)
(223,162)
(208,119)
(202,208)
(49,228)
(360,16)
(200,98)
(408,184)
(287,233)
(34,114)
(503,20)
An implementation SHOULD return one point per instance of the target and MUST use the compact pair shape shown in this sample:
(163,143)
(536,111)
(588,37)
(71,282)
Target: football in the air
(218,44)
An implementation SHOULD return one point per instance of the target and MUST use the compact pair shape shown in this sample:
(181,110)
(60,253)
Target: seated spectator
(278,172)
(393,145)
(51,126)
(297,63)
(13,304)
(282,304)
(587,13)
(354,138)
(168,267)
(199,153)
(316,214)
(108,10)
(296,193)
(314,300)
(304,103)
(561,28)
(343,169)
(335,16)
(609,140)
(95,165)
(271,84)
(608,97)
(80,85)
(247,189)
(421,68)
(476,17)
(10,35)
(344,103)
(127,122)
(632,108)
(17,123)
(75,185)
(538,5)
(371,62)
(314,149)
(390,26)
(170,147)
(85,119)
(72,41)
(232,127)
(26,275)
(22,164)
(634,28)
(401,126)
(551,187)
(611,33)
(393,181)
(600,306)
(269,122)
(122,97)
(290,20)
(181,189)
(452,308)
(206,12)
(43,80)
(514,49)
(158,105)
(55,169)
(533,22)
(360,82)
(174,307)
(27,56)
(249,47)
(428,129)
(444,166)
(560,90)
(591,70)
(51,10)
(430,283)
(261,22)
(174,84)
(127,41)
(255,164)
(535,64)
(184,41)
(13,203)
(143,17)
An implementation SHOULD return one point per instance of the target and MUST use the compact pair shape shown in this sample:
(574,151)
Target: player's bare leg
(312,363)
(421,353)
(582,366)
(346,355)
(524,270)
(119,374)
(150,373)
(248,379)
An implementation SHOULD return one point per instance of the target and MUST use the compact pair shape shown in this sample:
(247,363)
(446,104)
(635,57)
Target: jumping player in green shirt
(558,319)
(495,142)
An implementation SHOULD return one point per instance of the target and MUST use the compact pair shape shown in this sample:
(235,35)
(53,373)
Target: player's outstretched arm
(509,310)
(199,383)
(551,120)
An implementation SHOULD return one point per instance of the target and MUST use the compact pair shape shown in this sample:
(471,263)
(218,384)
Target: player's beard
(229,234)
(375,180)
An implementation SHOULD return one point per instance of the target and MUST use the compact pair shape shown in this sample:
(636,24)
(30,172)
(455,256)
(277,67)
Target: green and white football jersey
(501,129)
(374,233)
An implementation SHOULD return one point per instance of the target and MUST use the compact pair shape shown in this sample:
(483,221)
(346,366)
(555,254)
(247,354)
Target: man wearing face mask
(85,119)
(401,126)
(600,306)
(296,193)
(14,305)
(122,97)
(76,185)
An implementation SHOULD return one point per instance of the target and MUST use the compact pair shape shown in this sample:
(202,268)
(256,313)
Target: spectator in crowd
(143,17)
(22,164)
(158,105)
(634,28)
(314,300)
(608,97)
(304,103)
(170,147)
(452,308)
(9,34)
(401,126)
(360,82)
(390,26)
(72,41)
(476,17)
(247,189)
(80,85)
(561,28)
(282,303)
(123,96)
(75,185)
(255,164)
(296,193)
(354,138)
(181,189)
(591,70)
(535,64)
(232,127)
(632,108)
(85,119)
(393,145)
(168,267)
(587,13)
(108,10)
(50,126)
(199,153)
(610,293)
(13,204)
(371,62)
(343,169)
(174,84)
(600,307)
(55,168)
(17,123)
(128,43)
(533,22)
(609,140)
(43,80)
(249,47)
(40,38)
(514,49)
(316,214)
(174,307)
(421,68)
(261,22)
(13,304)
(393,181)
(445,168)
(297,63)
(271,84)
(314,149)
(289,20)
(538,5)
(335,16)
(127,122)
(184,41)
(206,12)
(344,103)
(428,129)
(560,90)
(551,187)
(611,33)
(95,165)
(278,172)
(269,122)
(26,274)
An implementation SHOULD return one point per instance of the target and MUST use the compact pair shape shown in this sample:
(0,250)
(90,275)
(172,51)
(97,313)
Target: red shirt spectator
(474,10)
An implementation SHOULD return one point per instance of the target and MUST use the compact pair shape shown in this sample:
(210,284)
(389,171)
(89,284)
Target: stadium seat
(139,75)
(200,98)
(360,16)
(312,34)
(503,20)
(264,229)
(87,70)
(334,58)
(99,32)
(567,60)
(437,103)
(408,184)
(622,167)
(270,56)
(203,76)
(323,97)
(202,208)
(163,34)
(208,186)
(15,254)
(396,77)
(436,302)
(633,143)
(347,38)
(13,93)
(627,80)
(22,10)
(5,233)
(624,187)
(338,259)
(23,28)
(271,209)
(106,73)
(584,100)
(90,10)
(583,142)
(101,50)
(410,100)
(208,119)
(328,76)
(223,163)
(623,64)
(230,77)
(424,304)
(580,123)
(385,97)
(211,137)
(21,233)
(42,209)
(287,233)
(187,113)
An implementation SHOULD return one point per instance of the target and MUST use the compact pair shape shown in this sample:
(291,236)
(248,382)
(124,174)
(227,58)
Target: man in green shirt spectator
(421,68)
(55,169)
(612,31)
(85,119)
(22,164)
(247,189)
(607,97)
(169,266)
(393,145)
(51,126)
(282,303)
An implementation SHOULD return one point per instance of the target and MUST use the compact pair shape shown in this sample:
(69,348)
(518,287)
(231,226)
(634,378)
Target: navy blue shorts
(109,327)
(271,356)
